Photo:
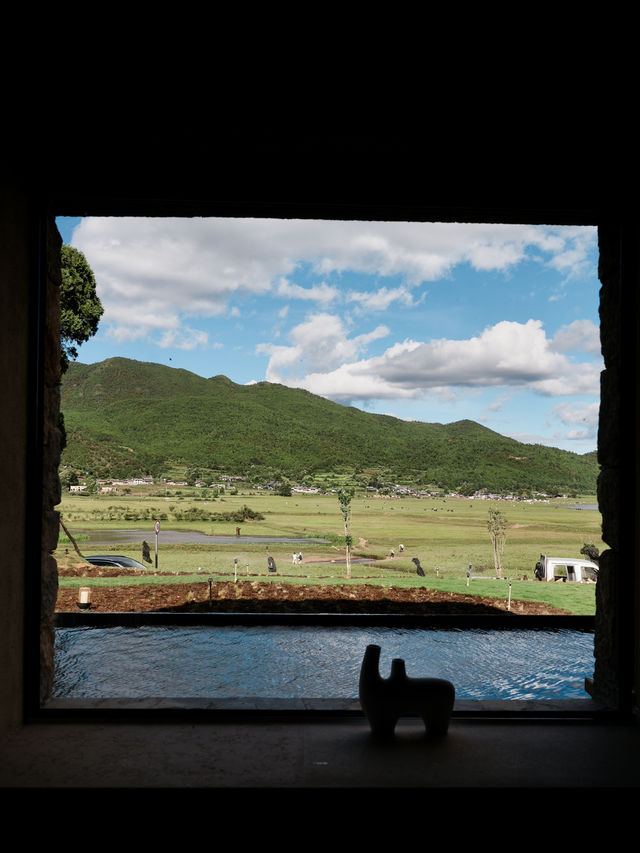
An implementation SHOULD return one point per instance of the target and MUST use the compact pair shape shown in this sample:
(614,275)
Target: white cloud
(381,299)
(583,378)
(185,338)
(531,438)
(507,354)
(582,416)
(579,336)
(162,271)
(577,413)
(578,434)
(498,403)
(351,382)
(319,293)
(571,256)
(321,343)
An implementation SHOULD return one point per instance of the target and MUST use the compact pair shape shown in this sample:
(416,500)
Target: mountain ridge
(124,416)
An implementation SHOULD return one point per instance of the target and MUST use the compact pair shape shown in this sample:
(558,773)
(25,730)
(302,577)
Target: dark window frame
(624,614)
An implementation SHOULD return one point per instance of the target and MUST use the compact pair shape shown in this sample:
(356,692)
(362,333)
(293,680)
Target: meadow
(446,534)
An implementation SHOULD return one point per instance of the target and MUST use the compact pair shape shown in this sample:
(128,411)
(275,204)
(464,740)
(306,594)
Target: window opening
(490,326)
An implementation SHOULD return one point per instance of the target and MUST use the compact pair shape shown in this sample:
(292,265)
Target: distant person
(401,548)
(419,569)
(300,558)
(271,563)
(392,554)
(295,559)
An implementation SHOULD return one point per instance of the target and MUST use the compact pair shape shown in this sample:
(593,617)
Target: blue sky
(424,321)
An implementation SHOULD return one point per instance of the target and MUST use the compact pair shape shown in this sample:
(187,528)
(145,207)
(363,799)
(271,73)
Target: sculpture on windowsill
(385,700)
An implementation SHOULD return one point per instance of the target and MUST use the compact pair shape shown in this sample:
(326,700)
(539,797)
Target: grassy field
(445,534)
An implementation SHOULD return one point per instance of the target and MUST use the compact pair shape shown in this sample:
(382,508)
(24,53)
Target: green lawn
(445,534)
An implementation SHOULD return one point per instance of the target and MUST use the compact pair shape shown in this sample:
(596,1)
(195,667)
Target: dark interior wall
(14,314)
(616,641)
(333,177)
(51,448)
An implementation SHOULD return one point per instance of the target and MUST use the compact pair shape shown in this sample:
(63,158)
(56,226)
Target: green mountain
(126,417)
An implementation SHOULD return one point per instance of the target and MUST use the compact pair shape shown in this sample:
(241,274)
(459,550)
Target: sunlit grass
(445,534)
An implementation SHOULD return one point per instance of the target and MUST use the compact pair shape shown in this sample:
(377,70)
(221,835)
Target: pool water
(311,662)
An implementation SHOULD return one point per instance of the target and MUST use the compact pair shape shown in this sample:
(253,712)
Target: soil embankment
(275,596)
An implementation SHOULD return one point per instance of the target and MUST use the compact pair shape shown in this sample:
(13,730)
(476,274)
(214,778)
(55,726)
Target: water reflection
(311,662)
(180,537)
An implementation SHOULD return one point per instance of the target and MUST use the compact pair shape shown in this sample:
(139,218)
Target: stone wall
(605,682)
(52,447)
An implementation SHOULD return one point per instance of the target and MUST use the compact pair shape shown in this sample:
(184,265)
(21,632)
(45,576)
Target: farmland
(446,534)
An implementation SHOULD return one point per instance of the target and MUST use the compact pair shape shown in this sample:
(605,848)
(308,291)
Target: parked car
(115,561)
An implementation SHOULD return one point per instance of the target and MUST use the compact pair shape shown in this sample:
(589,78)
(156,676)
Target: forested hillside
(125,417)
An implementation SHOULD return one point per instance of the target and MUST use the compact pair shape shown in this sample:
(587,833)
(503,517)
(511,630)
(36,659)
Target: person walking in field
(295,559)
(300,558)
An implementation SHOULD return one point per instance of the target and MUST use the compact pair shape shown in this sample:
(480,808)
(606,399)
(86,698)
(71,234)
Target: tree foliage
(80,307)
(591,552)
(344,500)
(68,478)
(497,526)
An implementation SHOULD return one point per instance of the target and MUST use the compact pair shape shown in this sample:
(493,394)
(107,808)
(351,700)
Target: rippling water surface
(312,662)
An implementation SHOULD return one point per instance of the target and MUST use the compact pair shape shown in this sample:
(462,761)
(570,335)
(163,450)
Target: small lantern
(84,598)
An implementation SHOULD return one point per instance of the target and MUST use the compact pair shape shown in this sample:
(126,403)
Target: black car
(115,561)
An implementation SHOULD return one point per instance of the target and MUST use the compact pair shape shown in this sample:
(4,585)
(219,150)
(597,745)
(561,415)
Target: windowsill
(560,708)
(83,750)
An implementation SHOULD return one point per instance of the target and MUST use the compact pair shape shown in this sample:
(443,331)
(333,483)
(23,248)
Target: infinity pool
(311,662)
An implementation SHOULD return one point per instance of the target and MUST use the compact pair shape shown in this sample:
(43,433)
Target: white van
(567,568)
